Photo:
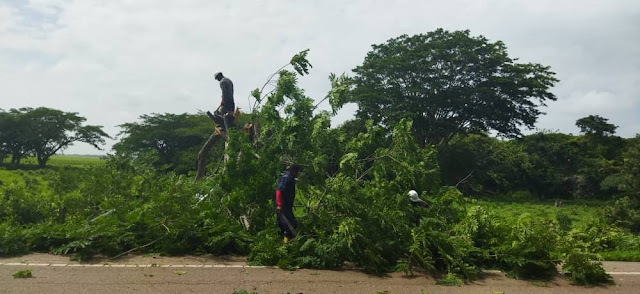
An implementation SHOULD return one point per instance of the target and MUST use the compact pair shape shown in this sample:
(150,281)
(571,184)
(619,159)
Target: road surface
(155,274)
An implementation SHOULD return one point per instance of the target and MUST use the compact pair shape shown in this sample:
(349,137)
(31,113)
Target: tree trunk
(15,159)
(204,151)
(42,161)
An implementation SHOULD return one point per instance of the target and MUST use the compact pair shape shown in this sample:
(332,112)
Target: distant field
(75,161)
(37,178)
(580,212)
(62,161)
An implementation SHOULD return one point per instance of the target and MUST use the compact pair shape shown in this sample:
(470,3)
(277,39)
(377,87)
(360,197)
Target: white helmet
(413,195)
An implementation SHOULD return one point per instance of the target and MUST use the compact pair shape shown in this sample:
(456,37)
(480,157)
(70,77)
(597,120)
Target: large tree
(449,83)
(173,139)
(54,130)
(596,125)
(5,123)
(43,132)
(15,135)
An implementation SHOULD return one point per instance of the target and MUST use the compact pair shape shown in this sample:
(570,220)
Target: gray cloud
(113,61)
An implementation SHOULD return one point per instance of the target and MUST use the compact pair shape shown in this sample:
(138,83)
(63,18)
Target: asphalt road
(56,274)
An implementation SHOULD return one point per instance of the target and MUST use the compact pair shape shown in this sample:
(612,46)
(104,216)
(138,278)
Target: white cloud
(112,61)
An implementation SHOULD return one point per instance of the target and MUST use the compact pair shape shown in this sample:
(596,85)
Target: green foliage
(626,211)
(404,266)
(530,246)
(339,93)
(481,165)
(564,221)
(486,230)
(621,255)
(22,274)
(449,83)
(546,164)
(44,132)
(13,240)
(168,141)
(582,270)
(581,213)
(15,135)
(596,125)
(300,62)
(450,280)
(19,206)
(243,292)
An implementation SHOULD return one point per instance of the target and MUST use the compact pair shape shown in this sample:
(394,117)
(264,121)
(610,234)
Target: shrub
(450,279)
(580,268)
(625,213)
(529,249)
(564,221)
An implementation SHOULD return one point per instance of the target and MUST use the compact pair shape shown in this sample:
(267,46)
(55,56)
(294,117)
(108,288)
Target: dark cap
(294,167)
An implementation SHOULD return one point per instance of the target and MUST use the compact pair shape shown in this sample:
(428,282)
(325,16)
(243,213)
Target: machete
(286,221)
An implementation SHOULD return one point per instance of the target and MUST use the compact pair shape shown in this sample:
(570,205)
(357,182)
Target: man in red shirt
(285,195)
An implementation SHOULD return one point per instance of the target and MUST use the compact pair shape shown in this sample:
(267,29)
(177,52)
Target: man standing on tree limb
(285,194)
(223,117)
(227,105)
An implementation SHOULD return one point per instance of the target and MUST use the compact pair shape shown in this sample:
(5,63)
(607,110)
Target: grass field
(580,212)
(61,161)
(29,173)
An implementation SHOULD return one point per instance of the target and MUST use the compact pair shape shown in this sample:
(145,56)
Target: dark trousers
(224,116)
(282,225)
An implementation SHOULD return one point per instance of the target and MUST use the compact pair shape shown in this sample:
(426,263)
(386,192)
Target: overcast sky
(112,61)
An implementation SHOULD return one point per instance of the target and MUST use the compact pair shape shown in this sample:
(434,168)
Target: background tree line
(42,132)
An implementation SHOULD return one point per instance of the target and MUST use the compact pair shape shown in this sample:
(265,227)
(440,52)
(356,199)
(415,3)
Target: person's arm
(221,97)
(278,200)
(282,186)
(225,86)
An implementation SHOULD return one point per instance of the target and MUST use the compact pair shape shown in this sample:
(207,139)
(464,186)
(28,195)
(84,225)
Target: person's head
(218,76)
(294,169)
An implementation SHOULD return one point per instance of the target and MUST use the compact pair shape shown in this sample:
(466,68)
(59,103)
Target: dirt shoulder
(228,275)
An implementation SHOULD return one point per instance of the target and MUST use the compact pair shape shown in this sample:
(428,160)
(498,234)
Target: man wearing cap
(285,194)
(227,105)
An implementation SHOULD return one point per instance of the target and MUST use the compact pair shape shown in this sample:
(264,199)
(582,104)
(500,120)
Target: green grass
(621,255)
(10,176)
(580,212)
(450,279)
(36,179)
(60,161)
(22,274)
(539,283)
(75,161)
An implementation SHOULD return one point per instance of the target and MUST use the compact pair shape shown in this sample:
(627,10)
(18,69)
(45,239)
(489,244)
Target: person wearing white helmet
(416,201)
